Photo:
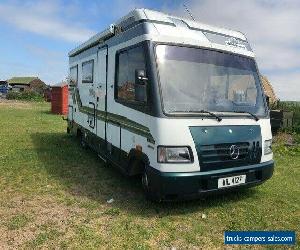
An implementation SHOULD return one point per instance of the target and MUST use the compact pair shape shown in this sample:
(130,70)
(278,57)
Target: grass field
(53,194)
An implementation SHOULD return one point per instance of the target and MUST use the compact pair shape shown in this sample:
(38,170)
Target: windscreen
(195,79)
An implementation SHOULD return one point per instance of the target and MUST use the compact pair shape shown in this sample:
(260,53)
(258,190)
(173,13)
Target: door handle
(94,114)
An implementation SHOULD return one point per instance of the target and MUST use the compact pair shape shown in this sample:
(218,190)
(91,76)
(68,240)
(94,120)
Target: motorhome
(175,101)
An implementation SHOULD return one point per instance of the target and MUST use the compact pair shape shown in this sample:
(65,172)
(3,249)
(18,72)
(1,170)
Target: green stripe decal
(119,120)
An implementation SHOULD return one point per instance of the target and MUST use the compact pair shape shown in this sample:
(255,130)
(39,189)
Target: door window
(128,61)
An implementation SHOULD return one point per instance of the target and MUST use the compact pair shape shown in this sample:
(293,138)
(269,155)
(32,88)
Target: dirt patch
(283,138)
(45,215)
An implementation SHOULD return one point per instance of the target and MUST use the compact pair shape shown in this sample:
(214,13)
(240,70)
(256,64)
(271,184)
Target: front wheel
(146,184)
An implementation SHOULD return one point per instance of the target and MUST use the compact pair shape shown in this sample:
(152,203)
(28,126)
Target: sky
(36,36)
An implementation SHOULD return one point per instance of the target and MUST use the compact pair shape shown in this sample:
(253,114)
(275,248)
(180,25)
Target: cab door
(86,92)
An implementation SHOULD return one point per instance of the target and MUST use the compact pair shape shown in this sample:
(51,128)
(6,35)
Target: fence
(286,115)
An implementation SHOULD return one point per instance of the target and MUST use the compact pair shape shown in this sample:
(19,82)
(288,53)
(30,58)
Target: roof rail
(99,37)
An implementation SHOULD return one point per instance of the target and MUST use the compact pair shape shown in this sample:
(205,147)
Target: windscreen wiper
(207,112)
(246,112)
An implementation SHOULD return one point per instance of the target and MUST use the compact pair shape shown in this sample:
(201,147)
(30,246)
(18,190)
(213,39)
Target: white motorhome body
(177,101)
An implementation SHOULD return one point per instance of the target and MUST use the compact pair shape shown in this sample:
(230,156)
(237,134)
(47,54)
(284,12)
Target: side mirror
(140,85)
(140,76)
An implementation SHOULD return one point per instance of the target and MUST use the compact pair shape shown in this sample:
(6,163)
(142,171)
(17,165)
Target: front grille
(218,156)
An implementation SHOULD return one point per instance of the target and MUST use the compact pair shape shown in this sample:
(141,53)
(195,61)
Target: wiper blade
(207,112)
(246,112)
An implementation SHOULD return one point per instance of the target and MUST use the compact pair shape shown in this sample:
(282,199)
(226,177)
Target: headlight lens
(268,147)
(173,154)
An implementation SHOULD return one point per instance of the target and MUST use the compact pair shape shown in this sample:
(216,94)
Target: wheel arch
(79,132)
(137,160)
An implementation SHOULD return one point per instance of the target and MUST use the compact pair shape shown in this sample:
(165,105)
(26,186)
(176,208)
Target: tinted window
(128,62)
(87,71)
(74,75)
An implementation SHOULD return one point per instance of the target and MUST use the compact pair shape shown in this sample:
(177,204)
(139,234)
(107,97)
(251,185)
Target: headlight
(173,154)
(268,147)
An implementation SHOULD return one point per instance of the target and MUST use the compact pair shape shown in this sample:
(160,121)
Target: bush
(286,143)
(291,130)
(283,150)
(26,95)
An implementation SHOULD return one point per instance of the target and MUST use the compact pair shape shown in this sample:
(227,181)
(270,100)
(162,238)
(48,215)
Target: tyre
(146,184)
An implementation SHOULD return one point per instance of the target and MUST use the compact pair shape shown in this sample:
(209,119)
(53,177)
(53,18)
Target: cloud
(43,18)
(119,9)
(272,29)
(288,88)
(52,64)
(56,19)
(272,57)
(48,64)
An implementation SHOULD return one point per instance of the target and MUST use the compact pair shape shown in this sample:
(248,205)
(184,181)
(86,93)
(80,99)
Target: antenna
(189,12)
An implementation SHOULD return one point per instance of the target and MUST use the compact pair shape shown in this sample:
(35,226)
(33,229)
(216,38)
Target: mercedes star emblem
(234,152)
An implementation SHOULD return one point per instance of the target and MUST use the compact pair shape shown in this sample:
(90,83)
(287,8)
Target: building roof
(25,80)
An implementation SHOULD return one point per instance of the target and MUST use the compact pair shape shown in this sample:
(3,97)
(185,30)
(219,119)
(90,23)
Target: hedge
(26,95)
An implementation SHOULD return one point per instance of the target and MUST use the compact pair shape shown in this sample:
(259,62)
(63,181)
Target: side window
(73,75)
(128,62)
(88,72)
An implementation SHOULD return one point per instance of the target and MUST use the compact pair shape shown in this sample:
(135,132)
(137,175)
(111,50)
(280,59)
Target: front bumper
(191,185)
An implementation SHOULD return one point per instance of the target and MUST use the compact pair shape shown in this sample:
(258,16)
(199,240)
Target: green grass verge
(53,195)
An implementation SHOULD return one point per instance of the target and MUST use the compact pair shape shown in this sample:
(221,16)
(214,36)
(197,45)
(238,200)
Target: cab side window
(128,61)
